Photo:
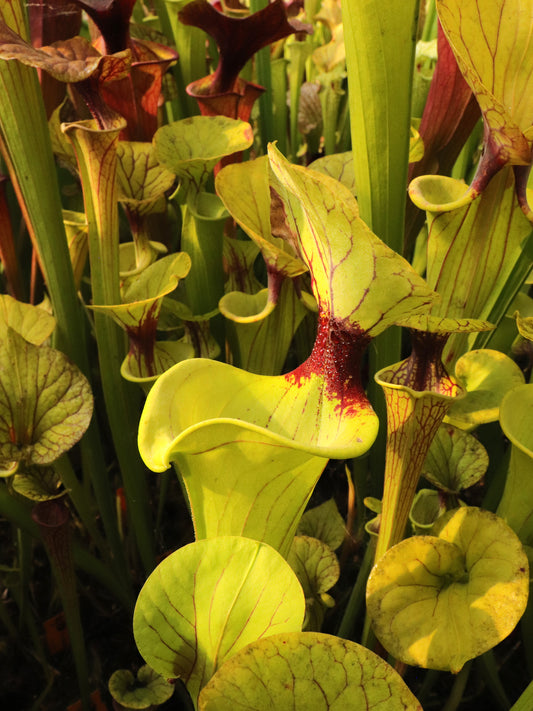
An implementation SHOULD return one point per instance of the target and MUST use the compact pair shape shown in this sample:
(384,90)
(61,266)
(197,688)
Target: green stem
(489,671)
(297,53)
(25,145)
(430,23)
(53,520)
(357,596)
(525,702)
(279,100)
(380,48)
(96,154)
(190,43)
(458,689)
(82,503)
(264,78)
(16,511)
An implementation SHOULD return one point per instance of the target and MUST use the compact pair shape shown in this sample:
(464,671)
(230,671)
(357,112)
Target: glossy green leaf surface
(380,48)
(307,671)
(45,402)
(438,601)
(208,600)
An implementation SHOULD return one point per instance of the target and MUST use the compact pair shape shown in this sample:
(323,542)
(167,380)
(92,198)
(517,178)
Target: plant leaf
(260,341)
(246,417)
(38,483)
(70,60)
(308,670)
(209,599)
(192,147)
(45,402)
(516,505)
(418,394)
(317,569)
(238,39)
(438,601)
(427,506)
(486,375)
(138,315)
(380,48)
(141,179)
(455,461)
(244,188)
(524,325)
(142,693)
(325,523)
(493,47)
(33,323)
(338,166)
(473,249)
(326,231)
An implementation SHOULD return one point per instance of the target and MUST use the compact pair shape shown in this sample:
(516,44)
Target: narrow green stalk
(356,601)
(202,239)
(489,670)
(264,78)
(297,53)
(380,47)
(82,503)
(53,520)
(431,678)
(279,99)
(466,162)
(330,100)
(508,292)
(8,625)
(25,560)
(430,22)
(190,43)
(96,153)
(15,510)
(458,689)
(525,702)
(103,574)
(25,144)
(344,140)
